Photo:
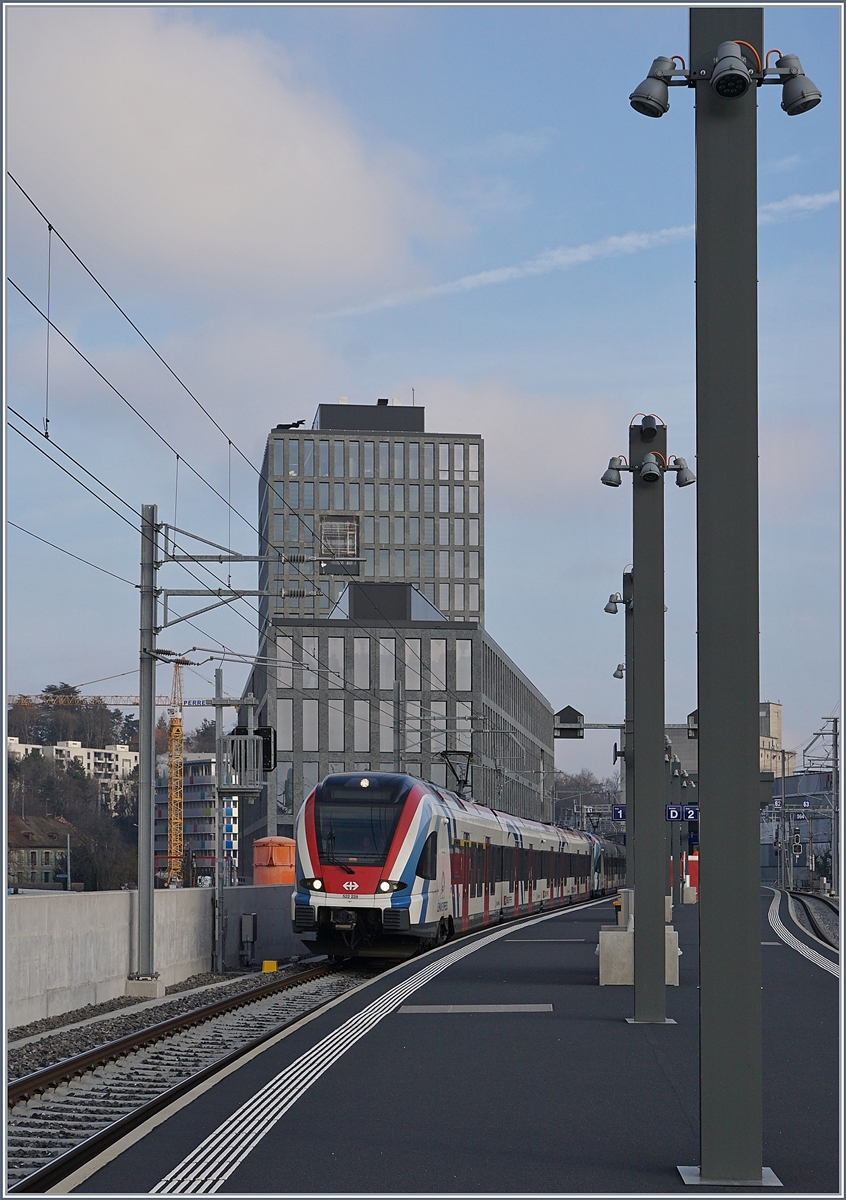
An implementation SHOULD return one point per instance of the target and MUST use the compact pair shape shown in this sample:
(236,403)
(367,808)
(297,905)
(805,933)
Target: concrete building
(687,748)
(337,710)
(197,820)
(368,493)
(37,851)
(110,766)
(771,747)
(381,528)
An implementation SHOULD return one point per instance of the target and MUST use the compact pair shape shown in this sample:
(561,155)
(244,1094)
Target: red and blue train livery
(388,865)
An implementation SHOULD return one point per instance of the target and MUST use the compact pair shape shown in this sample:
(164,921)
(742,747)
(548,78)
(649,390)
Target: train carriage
(387,864)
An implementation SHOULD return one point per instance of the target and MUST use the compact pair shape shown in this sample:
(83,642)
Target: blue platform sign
(618,812)
(674,812)
(691,812)
(806,803)
(776,804)
(693,839)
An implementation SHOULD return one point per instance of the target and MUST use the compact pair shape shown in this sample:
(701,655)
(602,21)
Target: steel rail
(818,929)
(53,1173)
(40,1081)
(58,1169)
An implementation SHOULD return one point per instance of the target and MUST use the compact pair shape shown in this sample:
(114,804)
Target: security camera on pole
(647,463)
(727,65)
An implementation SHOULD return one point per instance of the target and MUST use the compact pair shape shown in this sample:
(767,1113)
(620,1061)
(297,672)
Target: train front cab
(372,867)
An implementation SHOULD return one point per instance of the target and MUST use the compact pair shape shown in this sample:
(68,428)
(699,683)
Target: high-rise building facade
(372,650)
(367,493)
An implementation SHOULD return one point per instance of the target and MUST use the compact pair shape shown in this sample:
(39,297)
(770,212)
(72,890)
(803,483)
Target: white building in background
(110,766)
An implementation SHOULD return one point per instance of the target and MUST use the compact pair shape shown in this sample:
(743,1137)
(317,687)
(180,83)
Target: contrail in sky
(564,257)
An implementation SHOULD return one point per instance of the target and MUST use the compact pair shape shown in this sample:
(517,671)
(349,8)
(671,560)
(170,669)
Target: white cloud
(541,450)
(559,259)
(564,257)
(793,206)
(195,157)
(778,165)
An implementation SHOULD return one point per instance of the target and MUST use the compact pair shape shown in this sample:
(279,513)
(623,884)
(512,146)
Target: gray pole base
(666,1021)
(768,1179)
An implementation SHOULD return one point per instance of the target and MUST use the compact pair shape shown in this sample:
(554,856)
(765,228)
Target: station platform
(497,1066)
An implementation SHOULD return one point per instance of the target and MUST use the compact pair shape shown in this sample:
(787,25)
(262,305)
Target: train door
(516,874)
(530,884)
(444,871)
(465,886)
(486,891)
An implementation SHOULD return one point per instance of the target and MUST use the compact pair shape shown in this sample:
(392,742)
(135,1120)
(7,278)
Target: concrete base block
(671,956)
(668,909)
(768,1179)
(616,956)
(145,989)
(689,895)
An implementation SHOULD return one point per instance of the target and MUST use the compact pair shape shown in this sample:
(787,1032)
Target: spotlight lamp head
(798,93)
(650,471)
(649,428)
(612,477)
(684,475)
(620,672)
(651,98)
(613,600)
(731,77)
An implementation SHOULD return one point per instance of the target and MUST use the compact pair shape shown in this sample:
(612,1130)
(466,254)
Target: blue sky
(297,203)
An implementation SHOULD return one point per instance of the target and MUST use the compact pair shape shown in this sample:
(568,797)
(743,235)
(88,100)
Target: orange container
(274,860)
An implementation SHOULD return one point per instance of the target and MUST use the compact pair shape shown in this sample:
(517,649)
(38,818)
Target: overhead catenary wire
(173,373)
(197,473)
(230,507)
(46,430)
(70,554)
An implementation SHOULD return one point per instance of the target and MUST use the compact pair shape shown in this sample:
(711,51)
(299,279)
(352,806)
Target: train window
(428,862)
(354,825)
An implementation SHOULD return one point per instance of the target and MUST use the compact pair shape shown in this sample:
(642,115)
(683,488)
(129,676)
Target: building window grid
(396,459)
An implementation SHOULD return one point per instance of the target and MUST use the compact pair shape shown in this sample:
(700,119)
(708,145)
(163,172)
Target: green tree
(104,847)
(203,737)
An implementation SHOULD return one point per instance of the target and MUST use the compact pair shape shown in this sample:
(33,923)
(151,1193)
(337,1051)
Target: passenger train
(388,865)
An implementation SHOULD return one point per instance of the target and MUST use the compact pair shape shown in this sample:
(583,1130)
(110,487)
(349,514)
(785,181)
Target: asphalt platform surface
(568,1101)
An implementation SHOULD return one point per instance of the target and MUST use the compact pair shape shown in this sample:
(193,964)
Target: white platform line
(209,1165)
(789,940)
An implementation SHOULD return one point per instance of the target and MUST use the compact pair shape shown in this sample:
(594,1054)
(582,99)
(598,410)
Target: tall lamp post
(727,66)
(647,463)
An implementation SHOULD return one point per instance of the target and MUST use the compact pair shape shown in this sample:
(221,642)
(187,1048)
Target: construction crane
(175,781)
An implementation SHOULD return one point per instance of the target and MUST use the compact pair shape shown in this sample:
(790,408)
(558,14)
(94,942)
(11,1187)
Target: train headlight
(391,885)
(313,885)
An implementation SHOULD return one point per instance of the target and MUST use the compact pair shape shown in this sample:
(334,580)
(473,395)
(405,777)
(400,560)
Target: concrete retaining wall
(272,905)
(65,950)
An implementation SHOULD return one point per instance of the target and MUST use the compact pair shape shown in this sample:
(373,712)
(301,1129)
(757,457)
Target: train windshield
(355,826)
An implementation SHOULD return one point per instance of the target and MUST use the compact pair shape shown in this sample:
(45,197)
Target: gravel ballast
(64,1043)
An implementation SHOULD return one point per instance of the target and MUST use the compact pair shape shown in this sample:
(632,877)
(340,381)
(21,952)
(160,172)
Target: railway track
(816,916)
(62,1116)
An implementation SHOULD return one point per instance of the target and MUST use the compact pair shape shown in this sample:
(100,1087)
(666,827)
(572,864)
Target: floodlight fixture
(798,93)
(684,475)
(731,77)
(612,478)
(649,428)
(650,471)
(620,672)
(651,98)
(613,600)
